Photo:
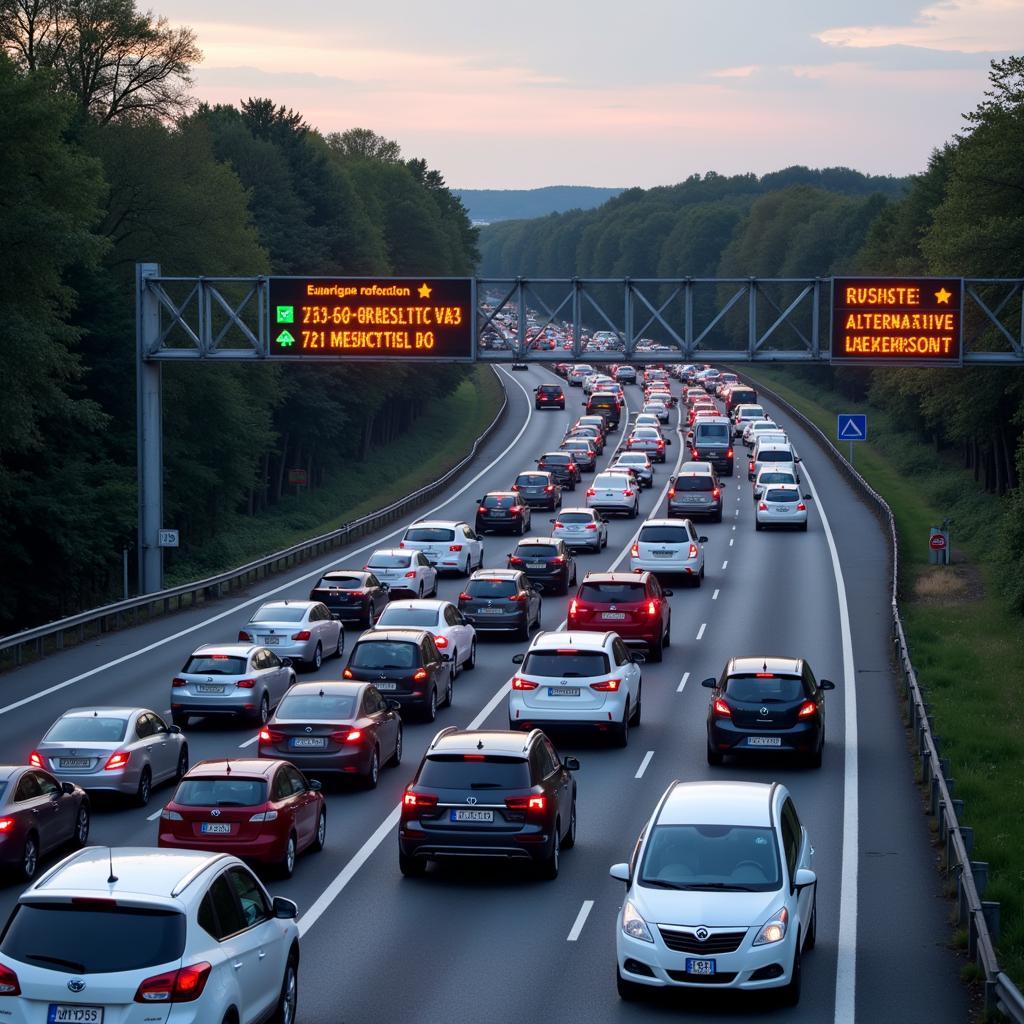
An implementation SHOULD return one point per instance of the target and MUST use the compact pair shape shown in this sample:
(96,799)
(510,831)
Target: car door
(277,676)
(797,854)
(625,667)
(163,748)
(385,722)
(434,664)
(38,797)
(475,544)
(301,801)
(556,780)
(429,574)
(454,625)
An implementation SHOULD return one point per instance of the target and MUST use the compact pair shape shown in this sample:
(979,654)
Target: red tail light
(536,804)
(728,454)
(348,674)
(591,526)
(559,524)
(608,686)
(454,547)
(303,634)
(801,507)
(720,709)
(410,799)
(177,681)
(750,466)
(695,453)
(557,560)
(246,684)
(635,551)
(419,675)
(184,985)
(244,637)
(8,982)
(516,510)
(574,607)
(522,596)
(35,759)
(627,493)
(441,642)
(515,487)
(550,488)
(807,710)
(671,492)
(762,507)
(591,492)
(482,510)
(270,736)
(117,760)
(518,683)
(465,597)
(401,543)
(693,551)
(358,593)
(653,607)
(6,824)
(347,735)
(411,574)
(716,493)
(514,560)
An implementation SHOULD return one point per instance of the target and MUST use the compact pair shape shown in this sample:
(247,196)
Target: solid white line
(700,632)
(643,764)
(714,596)
(154,815)
(581,920)
(284,586)
(682,682)
(248,743)
(725,564)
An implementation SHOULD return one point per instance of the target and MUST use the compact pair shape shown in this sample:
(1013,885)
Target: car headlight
(774,929)
(634,925)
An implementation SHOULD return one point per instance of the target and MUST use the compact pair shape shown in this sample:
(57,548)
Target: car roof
(449,523)
(496,574)
(326,687)
(339,573)
(407,634)
(663,522)
(10,771)
(432,603)
(704,420)
(785,487)
(246,767)
(390,551)
(616,577)
(588,511)
(114,709)
(530,541)
(235,650)
(568,638)
(774,664)
(290,604)
(717,803)
(775,446)
(487,741)
(499,494)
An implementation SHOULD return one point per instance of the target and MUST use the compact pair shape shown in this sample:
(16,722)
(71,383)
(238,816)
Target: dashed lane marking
(581,920)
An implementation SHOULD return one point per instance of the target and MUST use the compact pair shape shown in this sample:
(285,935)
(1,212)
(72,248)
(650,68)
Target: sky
(623,93)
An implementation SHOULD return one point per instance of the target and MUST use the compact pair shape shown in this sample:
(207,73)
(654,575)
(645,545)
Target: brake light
(419,675)
(482,510)
(454,547)
(351,736)
(401,543)
(303,634)
(653,607)
(661,442)
(557,560)
(516,510)
(526,803)
(807,710)
(35,759)
(6,824)
(762,507)
(515,560)
(695,453)
(441,642)
(521,596)
(465,597)
(750,465)
(635,551)
(184,985)
(117,760)
(607,686)
(574,607)
(246,684)
(358,593)
(591,492)
(591,526)
(269,736)
(515,487)
(721,709)
(693,550)
(728,454)
(244,637)
(671,492)
(559,524)
(550,488)
(801,507)
(410,799)
(8,982)
(348,674)
(627,493)
(411,574)
(518,683)
(178,681)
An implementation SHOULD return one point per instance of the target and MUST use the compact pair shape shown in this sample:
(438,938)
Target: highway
(467,943)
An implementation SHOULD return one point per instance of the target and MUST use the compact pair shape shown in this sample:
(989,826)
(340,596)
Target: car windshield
(214,665)
(575,517)
(224,792)
(664,535)
(429,533)
(91,729)
(379,561)
(91,939)
(311,707)
(279,613)
(766,688)
(566,663)
(491,588)
(385,654)
(779,494)
(395,615)
(458,771)
(613,592)
(710,857)
(340,583)
(529,551)
(694,483)
(532,480)
(712,432)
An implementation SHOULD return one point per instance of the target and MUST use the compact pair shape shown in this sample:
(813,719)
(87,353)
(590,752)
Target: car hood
(712,909)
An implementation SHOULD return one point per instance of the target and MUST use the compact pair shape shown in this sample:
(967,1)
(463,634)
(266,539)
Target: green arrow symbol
(285,339)
(286,314)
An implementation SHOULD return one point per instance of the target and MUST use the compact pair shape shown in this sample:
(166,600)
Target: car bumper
(511,525)
(626,630)
(694,511)
(263,849)
(530,843)
(238,702)
(728,738)
(522,716)
(351,761)
(680,566)
(486,623)
(551,405)
(781,518)
(612,508)
(348,612)
(301,650)
(548,503)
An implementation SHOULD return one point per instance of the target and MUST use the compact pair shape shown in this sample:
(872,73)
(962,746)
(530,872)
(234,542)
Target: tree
(361,142)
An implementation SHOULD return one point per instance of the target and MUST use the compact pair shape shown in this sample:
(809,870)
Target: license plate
(782,508)
(66,1013)
(207,688)
(764,741)
(75,762)
(563,691)
(489,611)
(499,515)
(613,615)
(704,967)
(215,828)
(386,686)
(663,554)
(269,641)
(309,741)
(576,529)
(536,565)
(458,814)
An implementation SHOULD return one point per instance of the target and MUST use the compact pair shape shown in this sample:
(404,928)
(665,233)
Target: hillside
(487,205)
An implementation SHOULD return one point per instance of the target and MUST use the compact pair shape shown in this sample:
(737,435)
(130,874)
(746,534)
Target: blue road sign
(852,426)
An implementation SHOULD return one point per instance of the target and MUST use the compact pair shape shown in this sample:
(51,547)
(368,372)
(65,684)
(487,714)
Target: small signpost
(167,539)
(938,546)
(298,477)
(852,426)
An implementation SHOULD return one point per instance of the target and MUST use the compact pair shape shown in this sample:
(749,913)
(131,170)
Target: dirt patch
(958,583)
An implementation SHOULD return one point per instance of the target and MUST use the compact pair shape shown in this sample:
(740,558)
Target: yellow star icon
(943,297)
(424,290)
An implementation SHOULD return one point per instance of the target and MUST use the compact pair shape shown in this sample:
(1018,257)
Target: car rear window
(340,583)
(742,395)
(613,592)
(389,561)
(575,517)
(499,500)
(529,551)
(89,939)
(491,588)
(225,792)
(454,771)
(279,613)
(575,444)
(611,480)
(557,460)
(385,654)
(633,459)
(776,478)
(532,480)
(94,729)
(550,389)
(778,494)
(712,432)
(775,456)
(566,664)
(311,707)
(664,535)
(429,533)
(214,665)
(770,689)
(603,401)
(694,483)
(394,615)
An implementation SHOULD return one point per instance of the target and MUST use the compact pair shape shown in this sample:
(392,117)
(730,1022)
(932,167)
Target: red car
(634,605)
(260,810)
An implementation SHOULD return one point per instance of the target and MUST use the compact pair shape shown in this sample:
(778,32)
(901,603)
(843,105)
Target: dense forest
(107,161)
(962,216)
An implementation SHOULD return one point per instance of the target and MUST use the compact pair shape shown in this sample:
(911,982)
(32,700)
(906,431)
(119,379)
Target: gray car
(301,630)
(116,750)
(241,680)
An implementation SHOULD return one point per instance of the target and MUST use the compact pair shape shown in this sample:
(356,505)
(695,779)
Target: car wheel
(370,615)
(81,836)
(803,527)
(396,758)
(29,863)
(570,836)
(471,660)
(318,657)
(812,927)
(791,992)
(656,651)
(179,772)
(636,510)
(718,516)
(284,1012)
(340,649)
(714,756)
(466,569)
(419,593)
(430,711)
(448,691)
(523,632)
(179,719)
(668,633)
(639,705)
(320,838)
(455,664)
(620,734)
(549,865)
(372,776)
(411,867)
(263,711)
(814,760)
(287,863)
(142,794)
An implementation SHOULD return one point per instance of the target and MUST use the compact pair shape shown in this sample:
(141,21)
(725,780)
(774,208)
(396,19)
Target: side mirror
(175,729)
(583,403)
(284,909)
(668,442)
(797,459)
(67,788)
(702,540)
(385,586)
(552,520)
(518,659)
(808,497)
(571,764)
(620,872)
(446,657)
(287,662)
(710,683)
(826,684)
(539,588)
(395,705)
(804,878)
(316,785)
(668,593)
(639,658)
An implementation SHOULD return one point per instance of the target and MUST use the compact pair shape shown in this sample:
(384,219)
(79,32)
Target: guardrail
(979,916)
(54,635)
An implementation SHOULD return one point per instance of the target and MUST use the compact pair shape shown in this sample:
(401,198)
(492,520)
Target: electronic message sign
(388,319)
(895,320)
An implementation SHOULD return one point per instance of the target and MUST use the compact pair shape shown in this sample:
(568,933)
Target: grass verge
(438,441)
(966,647)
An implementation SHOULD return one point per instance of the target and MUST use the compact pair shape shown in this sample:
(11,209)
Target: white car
(719,893)
(577,679)
(772,475)
(301,630)
(614,492)
(128,935)
(451,546)
(781,505)
(647,419)
(754,427)
(669,547)
(578,373)
(640,463)
(773,453)
(658,409)
(581,528)
(744,414)
(404,571)
(453,635)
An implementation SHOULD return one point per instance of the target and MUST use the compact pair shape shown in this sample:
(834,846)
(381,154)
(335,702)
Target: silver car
(117,750)
(614,492)
(241,680)
(301,630)
(781,505)
(640,463)
(581,528)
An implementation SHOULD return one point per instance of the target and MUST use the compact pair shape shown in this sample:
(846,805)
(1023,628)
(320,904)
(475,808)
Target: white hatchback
(614,492)
(453,635)
(133,935)
(451,546)
(404,572)
(719,893)
(772,475)
(781,505)
(581,528)
(754,427)
(669,547)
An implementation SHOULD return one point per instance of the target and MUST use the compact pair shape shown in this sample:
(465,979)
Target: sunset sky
(613,93)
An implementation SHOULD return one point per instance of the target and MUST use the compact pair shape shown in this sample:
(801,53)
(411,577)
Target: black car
(562,466)
(403,664)
(587,432)
(625,374)
(547,561)
(489,793)
(501,599)
(767,704)
(503,511)
(550,396)
(695,494)
(539,490)
(583,451)
(351,595)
